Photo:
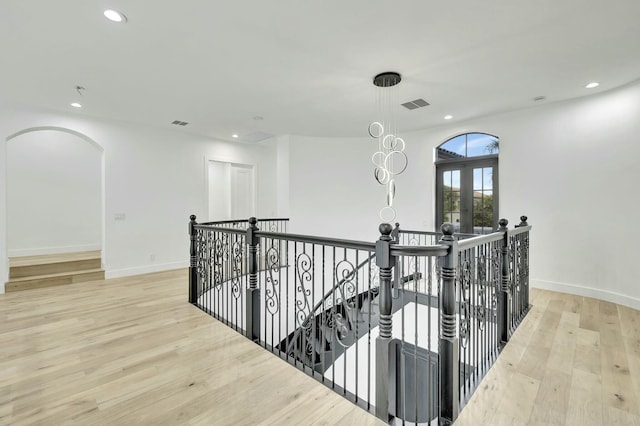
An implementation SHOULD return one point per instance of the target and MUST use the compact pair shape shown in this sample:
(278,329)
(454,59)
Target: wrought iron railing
(423,238)
(270,225)
(403,327)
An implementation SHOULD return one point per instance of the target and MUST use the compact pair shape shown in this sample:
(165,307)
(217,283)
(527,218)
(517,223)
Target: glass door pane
(451,198)
(482,200)
(467,195)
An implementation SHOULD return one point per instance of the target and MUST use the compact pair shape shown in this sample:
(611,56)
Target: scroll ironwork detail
(271,291)
(304,268)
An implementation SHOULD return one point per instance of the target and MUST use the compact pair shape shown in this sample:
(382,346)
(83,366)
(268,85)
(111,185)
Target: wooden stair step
(32,266)
(50,280)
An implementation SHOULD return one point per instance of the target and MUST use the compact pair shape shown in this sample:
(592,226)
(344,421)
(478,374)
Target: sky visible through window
(472,145)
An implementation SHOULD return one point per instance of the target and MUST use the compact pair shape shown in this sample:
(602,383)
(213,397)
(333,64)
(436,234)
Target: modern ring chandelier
(390,159)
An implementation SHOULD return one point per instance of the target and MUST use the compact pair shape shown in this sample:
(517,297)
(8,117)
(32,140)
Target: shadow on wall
(55,192)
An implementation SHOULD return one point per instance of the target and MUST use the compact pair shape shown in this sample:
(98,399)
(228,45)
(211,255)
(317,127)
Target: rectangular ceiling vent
(179,123)
(258,136)
(418,103)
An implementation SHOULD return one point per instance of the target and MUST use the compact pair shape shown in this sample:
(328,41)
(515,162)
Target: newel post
(395,233)
(385,262)
(253,292)
(193,270)
(449,350)
(523,221)
(504,307)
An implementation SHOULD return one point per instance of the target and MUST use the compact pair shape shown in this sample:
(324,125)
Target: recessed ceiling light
(234,136)
(448,117)
(115,16)
(592,85)
(76,105)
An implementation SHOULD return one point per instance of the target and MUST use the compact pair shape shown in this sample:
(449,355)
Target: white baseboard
(596,293)
(52,250)
(138,270)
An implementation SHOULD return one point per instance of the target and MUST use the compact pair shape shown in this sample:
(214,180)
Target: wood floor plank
(585,400)
(590,314)
(552,399)
(618,388)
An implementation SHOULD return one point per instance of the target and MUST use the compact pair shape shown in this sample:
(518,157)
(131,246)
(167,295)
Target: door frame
(466,181)
(232,161)
(252,184)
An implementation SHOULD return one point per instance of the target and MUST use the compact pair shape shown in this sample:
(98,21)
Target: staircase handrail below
(312,313)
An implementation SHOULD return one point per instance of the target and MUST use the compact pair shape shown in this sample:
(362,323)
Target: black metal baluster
(503,298)
(211,279)
(417,403)
(322,329)
(313,335)
(356,314)
(333,318)
(472,341)
(402,370)
(264,245)
(215,296)
(295,298)
(369,301)
(345,302)
(429,286)
(464,350)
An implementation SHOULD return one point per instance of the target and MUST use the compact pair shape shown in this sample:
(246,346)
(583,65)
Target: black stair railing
(405,331)
(343,307)
(351,307)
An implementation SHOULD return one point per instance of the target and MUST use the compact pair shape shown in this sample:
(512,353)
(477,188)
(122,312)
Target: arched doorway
(55,192)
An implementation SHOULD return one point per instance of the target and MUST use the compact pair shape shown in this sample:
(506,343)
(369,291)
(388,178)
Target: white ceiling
(307,66)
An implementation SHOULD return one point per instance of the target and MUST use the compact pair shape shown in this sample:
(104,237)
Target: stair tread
(60,274)
(53,258)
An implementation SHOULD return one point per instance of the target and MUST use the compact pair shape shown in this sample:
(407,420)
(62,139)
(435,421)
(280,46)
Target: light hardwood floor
(133,351)
(573,361)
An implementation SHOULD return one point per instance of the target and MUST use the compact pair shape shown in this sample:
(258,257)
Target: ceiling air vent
(418,103)
(179,123)
(257,136)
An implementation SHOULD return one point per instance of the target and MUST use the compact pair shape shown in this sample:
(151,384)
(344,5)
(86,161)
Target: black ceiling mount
(387,79)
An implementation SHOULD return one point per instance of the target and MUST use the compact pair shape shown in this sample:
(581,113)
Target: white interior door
(219,190)
(242,193)
(231,190)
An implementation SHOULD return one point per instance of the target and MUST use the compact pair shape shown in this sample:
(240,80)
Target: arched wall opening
(55,192)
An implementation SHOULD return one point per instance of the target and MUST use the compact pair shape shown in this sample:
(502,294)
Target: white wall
(155,176)
(4,260)
(332,191)
(54,194)
(283,177)
(572,167)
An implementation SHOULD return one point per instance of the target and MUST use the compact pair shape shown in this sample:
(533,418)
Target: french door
(467,195)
